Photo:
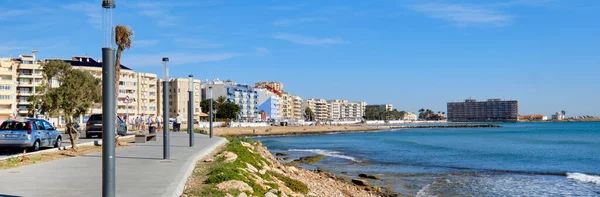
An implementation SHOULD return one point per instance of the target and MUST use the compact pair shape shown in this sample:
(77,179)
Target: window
(123,91)
(178,90)
(5,97)
(121,83)
(39,125)
(5,87)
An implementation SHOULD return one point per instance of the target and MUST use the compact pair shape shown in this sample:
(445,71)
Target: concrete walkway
(140,171)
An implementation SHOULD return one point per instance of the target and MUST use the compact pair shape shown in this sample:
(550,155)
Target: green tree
(309,115)
(78,90)
(228,111)
(205,105)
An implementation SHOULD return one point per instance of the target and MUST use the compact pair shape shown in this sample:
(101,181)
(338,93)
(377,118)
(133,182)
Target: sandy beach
(292,130)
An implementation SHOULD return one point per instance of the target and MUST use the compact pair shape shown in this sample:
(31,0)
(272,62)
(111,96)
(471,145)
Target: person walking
(178,120)
(159,122)
(137,123)
(143,122)
(151,121)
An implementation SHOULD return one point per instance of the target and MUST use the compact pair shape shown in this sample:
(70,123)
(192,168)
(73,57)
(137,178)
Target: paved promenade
(140,171)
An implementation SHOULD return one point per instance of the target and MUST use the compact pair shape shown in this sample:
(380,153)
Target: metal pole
(191,110)
(108,111)
(166,141)
(210,121)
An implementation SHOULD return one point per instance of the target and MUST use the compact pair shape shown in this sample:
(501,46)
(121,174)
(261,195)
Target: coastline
(292,130)
(246,168)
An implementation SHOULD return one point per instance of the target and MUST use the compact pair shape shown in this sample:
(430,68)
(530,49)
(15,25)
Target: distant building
(179,98)
(298,110)
(269,103)
(318,107)
(277,86)
(410,116)
(386,107)
(243,95)
(483,111)
(558,116)
(344,110)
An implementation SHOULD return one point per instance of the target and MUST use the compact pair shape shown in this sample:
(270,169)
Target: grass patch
(233,170)
(293,184)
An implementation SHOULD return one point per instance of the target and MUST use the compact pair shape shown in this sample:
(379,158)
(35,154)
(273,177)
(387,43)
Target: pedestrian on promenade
(137,123)
(178,122)
(151,121)
(159,121)
(143,120)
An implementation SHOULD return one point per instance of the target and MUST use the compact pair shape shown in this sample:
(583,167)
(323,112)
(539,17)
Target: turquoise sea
(518,159)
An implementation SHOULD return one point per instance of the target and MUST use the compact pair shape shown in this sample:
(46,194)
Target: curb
(187,171)
(93,143)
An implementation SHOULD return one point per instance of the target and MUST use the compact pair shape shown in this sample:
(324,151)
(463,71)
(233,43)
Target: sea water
(518,159)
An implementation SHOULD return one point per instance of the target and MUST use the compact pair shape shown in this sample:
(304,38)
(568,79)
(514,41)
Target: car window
(39,125)
(47,125)
(95,118)
(14,126)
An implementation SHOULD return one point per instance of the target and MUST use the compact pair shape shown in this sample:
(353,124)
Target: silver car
(28,133)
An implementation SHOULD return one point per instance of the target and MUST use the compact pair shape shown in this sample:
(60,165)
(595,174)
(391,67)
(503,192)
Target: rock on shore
(320,184)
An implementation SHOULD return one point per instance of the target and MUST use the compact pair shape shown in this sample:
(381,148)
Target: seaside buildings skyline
(472,110)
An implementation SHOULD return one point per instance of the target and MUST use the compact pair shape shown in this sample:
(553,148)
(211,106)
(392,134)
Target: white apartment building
(319,108)
(297,109)
(18,76)
(345,110)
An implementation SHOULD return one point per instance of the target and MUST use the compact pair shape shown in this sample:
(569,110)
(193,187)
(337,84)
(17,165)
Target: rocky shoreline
(245,168)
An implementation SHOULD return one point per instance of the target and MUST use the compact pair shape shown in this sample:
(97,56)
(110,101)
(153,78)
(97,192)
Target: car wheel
(36,146)
(58,142)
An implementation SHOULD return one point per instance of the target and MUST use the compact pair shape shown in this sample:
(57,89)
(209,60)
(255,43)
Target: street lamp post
(210,115)
(166,141)
(108,100)
(191,110)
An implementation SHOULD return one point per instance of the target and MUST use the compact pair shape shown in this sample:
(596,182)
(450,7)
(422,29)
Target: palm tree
(563,112)
(123,40)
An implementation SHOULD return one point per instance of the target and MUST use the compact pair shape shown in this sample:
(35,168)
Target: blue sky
(411,53)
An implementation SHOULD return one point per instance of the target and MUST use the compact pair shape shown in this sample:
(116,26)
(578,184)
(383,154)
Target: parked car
(94,126)
(29,133)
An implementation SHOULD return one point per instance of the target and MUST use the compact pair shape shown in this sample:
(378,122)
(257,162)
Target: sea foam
(328,153)
(584,177)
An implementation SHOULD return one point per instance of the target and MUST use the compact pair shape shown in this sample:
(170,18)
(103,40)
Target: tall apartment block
(319,108)
(297,109)
(19,75)
(491,110)
(345,110)
(179,97)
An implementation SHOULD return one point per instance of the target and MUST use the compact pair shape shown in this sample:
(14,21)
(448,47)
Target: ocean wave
(584,177)
(328,153)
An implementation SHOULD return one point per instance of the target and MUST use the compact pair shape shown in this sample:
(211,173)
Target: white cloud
(306,40)
(91,10)
(464,15)
(144,43)
(284,22)
(144,60)
(9,13)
